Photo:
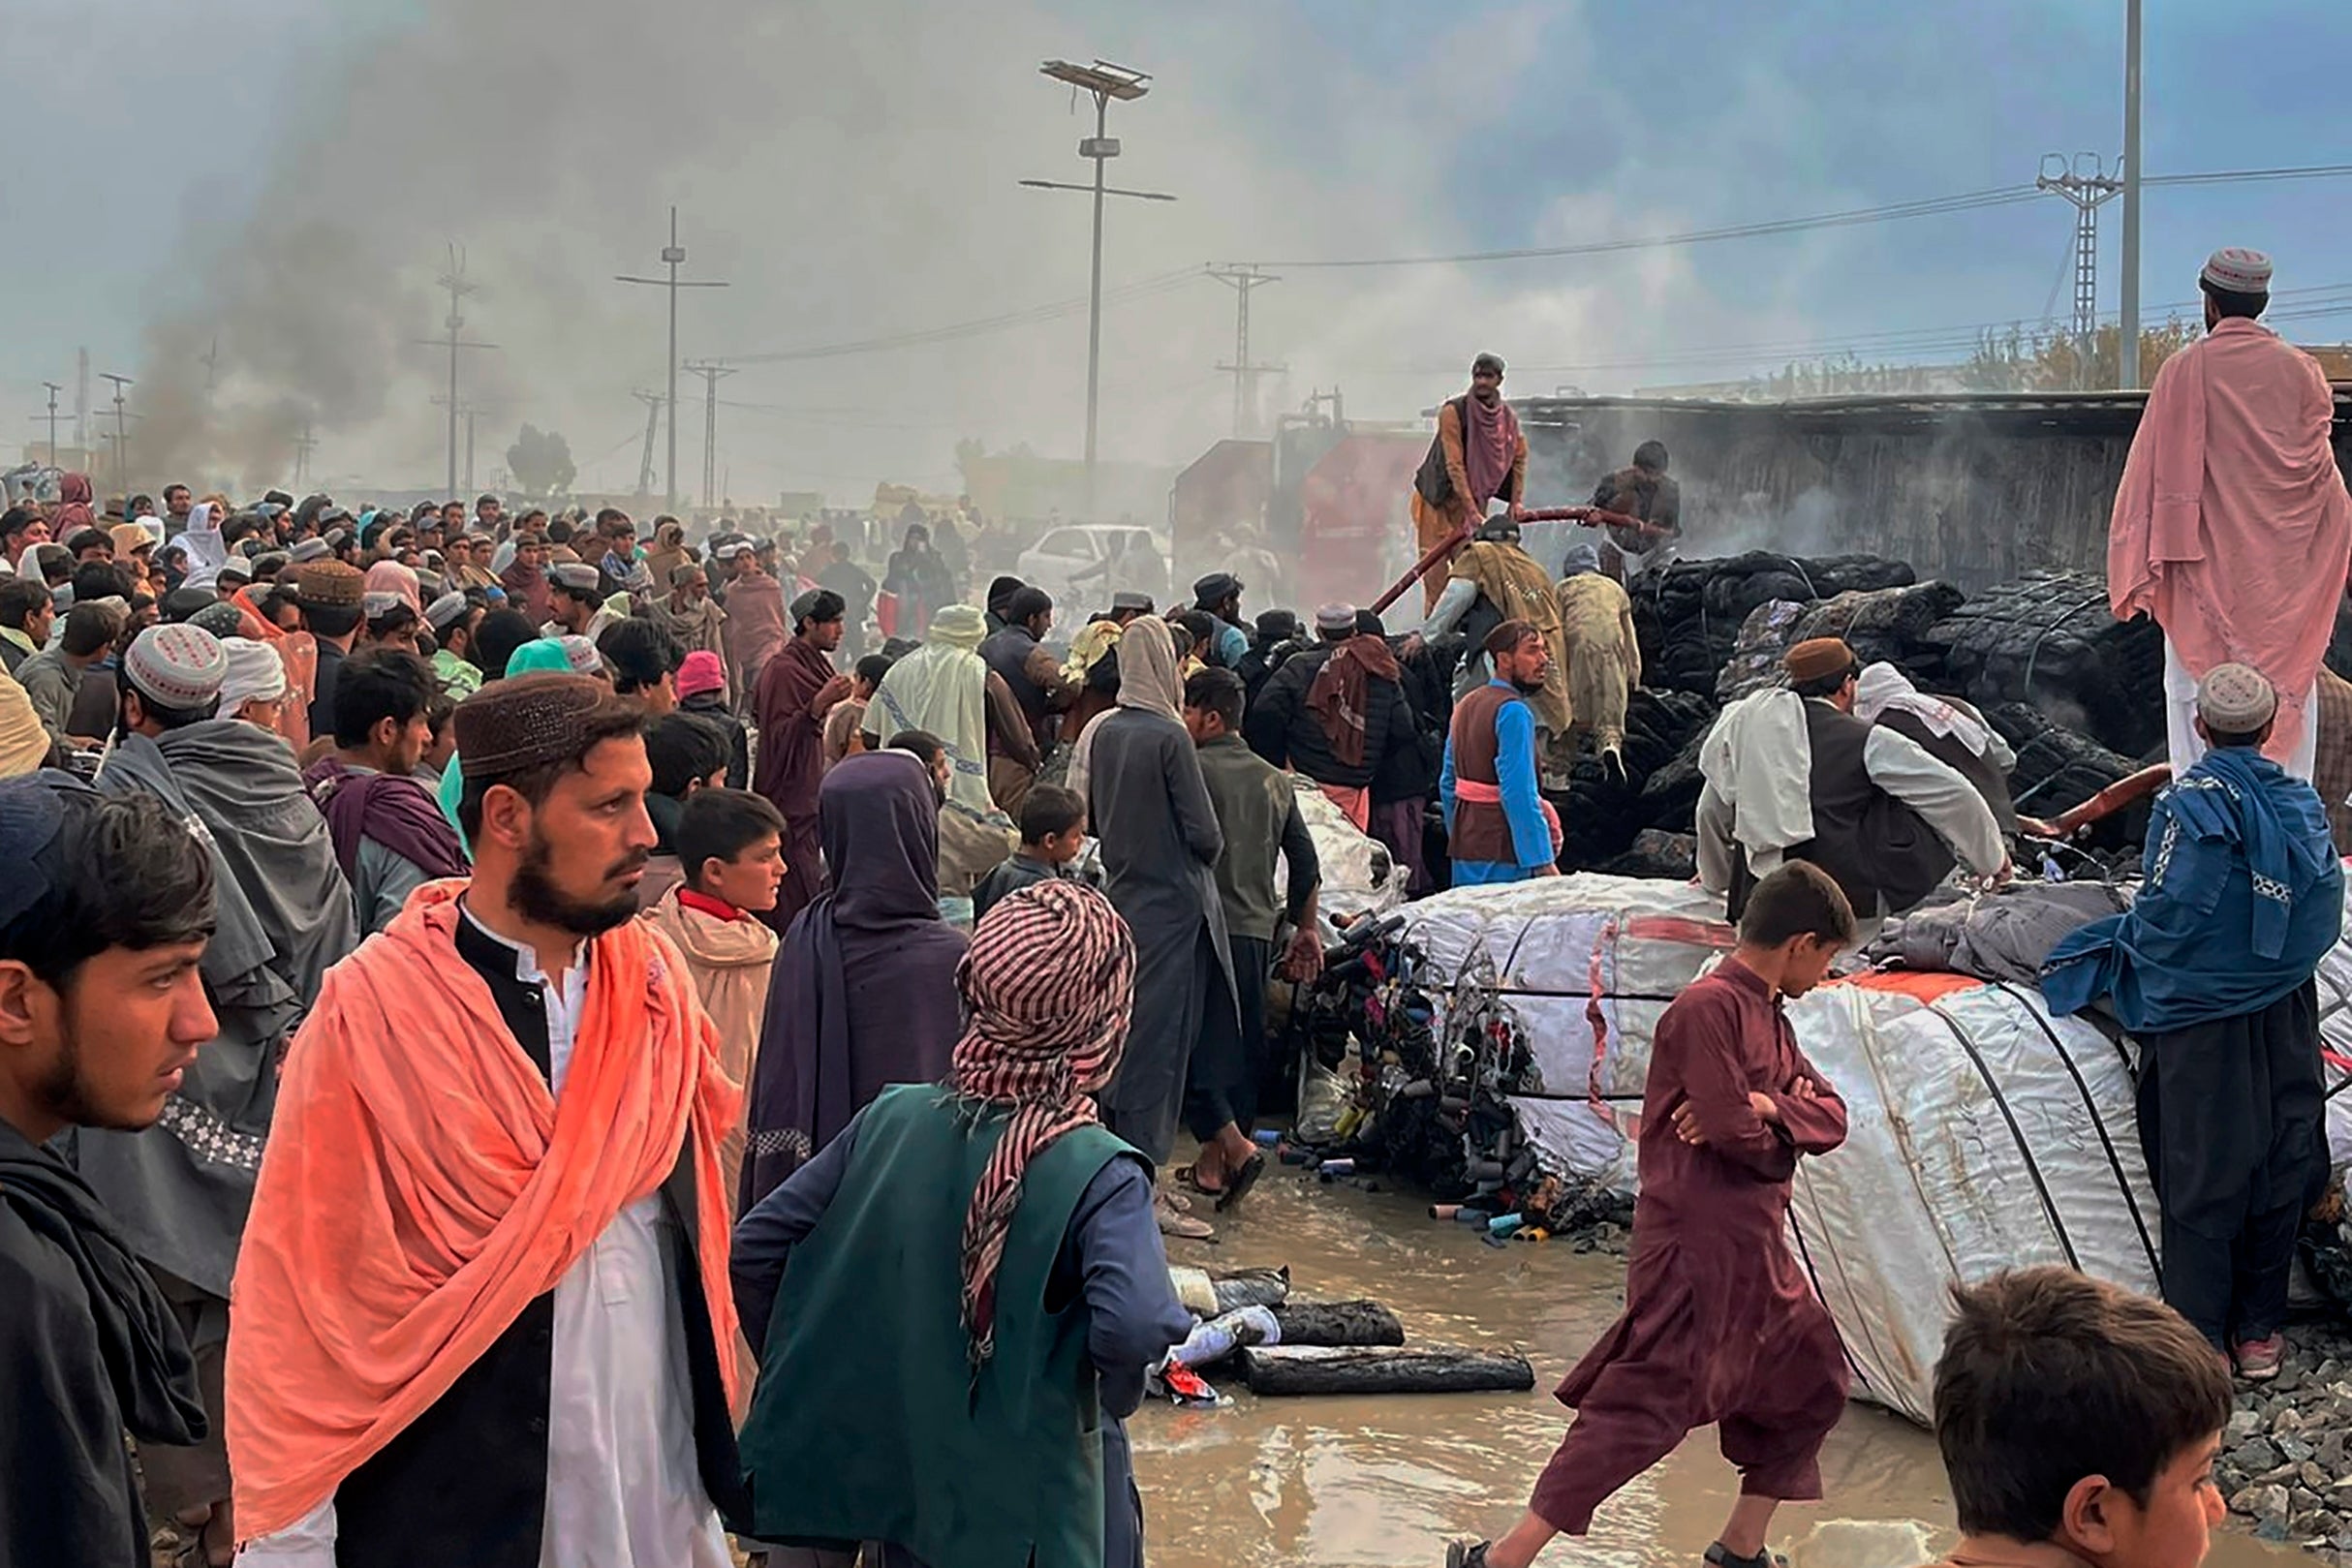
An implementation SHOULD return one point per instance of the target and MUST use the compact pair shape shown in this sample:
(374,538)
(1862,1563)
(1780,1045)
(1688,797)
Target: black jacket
(1284,731)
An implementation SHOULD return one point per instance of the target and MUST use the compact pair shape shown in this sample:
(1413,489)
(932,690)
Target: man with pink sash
(2232,527)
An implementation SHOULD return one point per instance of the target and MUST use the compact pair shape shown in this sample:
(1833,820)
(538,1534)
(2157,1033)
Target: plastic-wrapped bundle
(1756,654)
(1689,614)
(1601,814)
(2058,768)
(1889,623)
(2048,639)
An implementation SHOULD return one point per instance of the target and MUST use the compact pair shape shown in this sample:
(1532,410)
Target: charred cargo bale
(1764,640)
(1889,625)
(1657,852)
(1600,814)
(2048,639)
(1687,615)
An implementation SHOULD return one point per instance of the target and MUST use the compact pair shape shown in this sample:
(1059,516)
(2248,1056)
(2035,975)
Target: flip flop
(1188,1178)
(1239,1183)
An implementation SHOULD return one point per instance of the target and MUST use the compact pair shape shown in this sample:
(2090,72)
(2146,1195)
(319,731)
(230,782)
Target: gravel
(2284,1454)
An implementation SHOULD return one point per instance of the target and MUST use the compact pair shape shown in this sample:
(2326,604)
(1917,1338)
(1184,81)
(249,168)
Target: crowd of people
(583,1032)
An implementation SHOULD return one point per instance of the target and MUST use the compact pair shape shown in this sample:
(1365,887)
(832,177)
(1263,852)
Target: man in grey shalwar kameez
(181,1189)
(1160,843)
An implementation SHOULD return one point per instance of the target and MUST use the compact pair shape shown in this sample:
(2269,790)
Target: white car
(1082,564)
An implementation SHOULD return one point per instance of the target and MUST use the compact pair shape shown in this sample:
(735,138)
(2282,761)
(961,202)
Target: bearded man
(483,1312)
(1478,456)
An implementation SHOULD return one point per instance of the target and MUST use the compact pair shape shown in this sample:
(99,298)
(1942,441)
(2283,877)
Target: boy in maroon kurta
(1719,1327)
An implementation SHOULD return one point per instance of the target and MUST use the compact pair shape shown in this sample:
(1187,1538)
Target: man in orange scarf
(480,1310)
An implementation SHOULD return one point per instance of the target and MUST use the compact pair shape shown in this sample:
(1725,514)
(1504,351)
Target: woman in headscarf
(668,551)
(72,511)
(864,994)
(392,577)
(1947,728)
(1139,774)
(1003,1202)
(201,546)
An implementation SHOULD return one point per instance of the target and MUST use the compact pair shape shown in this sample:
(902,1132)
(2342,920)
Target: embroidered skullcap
(237,569)
(1140,602)
(1817,658)
(329,584)
(446,611)
(701,672)
(379,604)
(580,654)
(2235,699)
(577,575)
(2236,270)
(307,550)
(255,673)
(524,721)
(221,618)
(1336,618)
(1506,637)
(176,665)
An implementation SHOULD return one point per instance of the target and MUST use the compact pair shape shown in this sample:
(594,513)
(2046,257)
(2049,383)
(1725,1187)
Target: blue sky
(1293,128)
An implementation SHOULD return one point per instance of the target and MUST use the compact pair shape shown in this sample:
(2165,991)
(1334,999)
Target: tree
(541,462)
(2052,361)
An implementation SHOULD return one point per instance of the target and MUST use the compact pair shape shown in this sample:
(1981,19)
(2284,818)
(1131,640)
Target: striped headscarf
(1047,984)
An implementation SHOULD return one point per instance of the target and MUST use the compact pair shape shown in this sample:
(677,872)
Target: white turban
(255,673)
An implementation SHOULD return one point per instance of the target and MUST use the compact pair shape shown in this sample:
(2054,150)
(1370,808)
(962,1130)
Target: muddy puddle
(1364,1483)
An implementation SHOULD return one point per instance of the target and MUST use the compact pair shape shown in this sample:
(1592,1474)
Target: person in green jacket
(956,1301)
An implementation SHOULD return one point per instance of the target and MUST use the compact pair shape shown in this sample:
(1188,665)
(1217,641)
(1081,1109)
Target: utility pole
(1243,279)
(455,280)
(211,361)
(122,437)
(712,372)
(2128,338)
(51,416)
(472,414)
(674,256)
(653,402)
(81,399)
(2087,185)
(1105,81)
(303,445)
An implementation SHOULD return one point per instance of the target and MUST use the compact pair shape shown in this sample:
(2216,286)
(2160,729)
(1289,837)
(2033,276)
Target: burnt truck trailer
(1973,488)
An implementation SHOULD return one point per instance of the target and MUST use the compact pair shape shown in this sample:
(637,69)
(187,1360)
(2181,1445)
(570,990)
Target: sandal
(1720,1556)
(1187,1178)
(1182,1226)
(1239,1183)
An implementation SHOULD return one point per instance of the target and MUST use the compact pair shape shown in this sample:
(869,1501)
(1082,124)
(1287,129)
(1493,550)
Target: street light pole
(1093,296)
(1105,81)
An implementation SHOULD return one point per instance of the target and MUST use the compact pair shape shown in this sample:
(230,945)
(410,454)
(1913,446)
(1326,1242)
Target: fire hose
(2123,792)
(1447,548)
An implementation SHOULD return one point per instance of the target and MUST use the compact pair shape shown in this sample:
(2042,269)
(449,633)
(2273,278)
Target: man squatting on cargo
(1720,1327)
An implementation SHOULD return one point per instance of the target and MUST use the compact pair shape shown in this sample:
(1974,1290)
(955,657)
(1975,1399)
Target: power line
(1141,288)
(1164,282)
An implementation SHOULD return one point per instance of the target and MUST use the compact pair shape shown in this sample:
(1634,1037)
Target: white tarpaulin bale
(1585,964)
(1983,1134)
(1358,875)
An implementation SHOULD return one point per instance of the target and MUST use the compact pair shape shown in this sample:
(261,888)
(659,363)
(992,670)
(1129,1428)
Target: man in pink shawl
(2232,526)
(1478,455)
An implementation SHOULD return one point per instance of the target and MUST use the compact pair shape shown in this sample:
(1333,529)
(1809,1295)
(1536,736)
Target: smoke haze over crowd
(850,171)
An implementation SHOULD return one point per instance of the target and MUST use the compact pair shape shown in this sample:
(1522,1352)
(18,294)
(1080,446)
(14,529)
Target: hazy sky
(288,176)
